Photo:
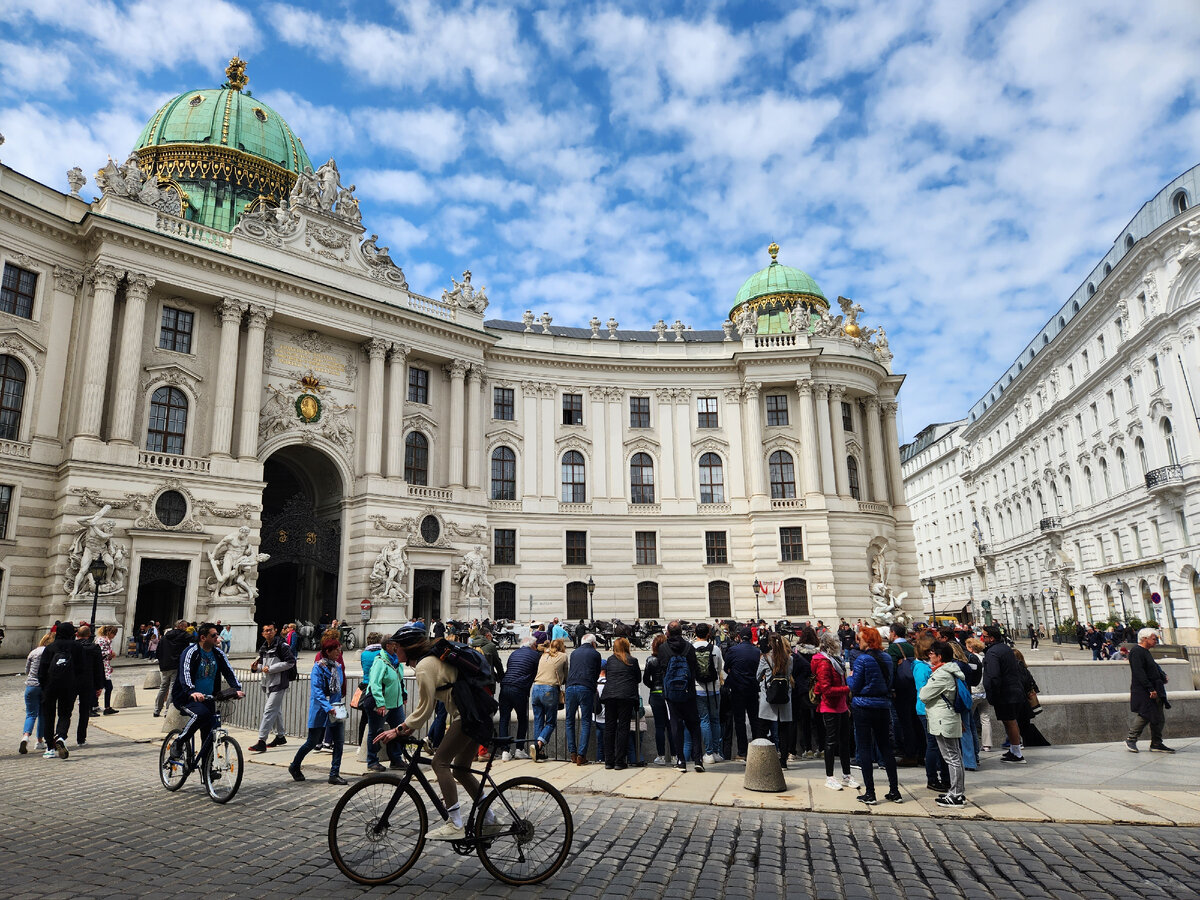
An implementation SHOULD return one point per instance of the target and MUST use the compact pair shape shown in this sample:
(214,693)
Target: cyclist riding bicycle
(201,668)
(453,758)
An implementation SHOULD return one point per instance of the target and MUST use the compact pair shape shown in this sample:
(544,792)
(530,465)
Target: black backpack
(777,690)
(472,691)
(61,675)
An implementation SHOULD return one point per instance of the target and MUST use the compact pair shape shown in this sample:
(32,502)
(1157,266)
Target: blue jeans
(375,725)
(544,698)
(969,758)
(336,731)
(710,721)
(33,711)
(580,698)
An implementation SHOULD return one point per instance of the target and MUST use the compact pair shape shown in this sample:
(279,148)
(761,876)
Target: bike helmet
(408,635)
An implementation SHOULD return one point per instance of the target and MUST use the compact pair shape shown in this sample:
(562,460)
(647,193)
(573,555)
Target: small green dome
(224,148)
(773,291)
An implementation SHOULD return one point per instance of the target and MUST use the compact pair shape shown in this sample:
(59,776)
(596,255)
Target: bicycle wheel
(223,775)
(533,831)
(171,772)
(366,853)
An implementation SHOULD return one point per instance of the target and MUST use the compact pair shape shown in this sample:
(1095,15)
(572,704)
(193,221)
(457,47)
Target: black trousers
(683,714)
(62,704)
(617,716)
(87,702)
(745,705)
(872,729)
(837,741)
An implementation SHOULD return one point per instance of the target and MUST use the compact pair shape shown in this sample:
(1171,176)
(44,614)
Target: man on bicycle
(201,668)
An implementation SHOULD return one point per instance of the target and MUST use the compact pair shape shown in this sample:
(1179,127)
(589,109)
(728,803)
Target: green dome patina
(773,291)
(224,148)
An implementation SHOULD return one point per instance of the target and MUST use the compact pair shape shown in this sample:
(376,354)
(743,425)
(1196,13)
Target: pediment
(419,422)
(170,373)
(503,436)
(576,440)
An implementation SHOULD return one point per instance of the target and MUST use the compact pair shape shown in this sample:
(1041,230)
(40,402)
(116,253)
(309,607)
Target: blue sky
(954,167)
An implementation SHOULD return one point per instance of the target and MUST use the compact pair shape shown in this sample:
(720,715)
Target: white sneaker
(719,758)
(520,753)
(849,782)
(709,759)
(660,761)
(833,784)
(505,756)
(448,831)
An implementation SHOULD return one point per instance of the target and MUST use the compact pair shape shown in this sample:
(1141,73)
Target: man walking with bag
(1147,694)
(170,648)
(278,665)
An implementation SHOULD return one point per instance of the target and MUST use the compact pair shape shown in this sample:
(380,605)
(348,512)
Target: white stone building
(1083,459)
(932,465)
(190,354)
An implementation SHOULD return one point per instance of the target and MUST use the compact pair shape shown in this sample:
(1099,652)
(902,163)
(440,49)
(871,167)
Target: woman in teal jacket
(937,775)
(386,682)
(327,688)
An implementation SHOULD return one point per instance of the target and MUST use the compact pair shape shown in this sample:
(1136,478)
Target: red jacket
(830,686)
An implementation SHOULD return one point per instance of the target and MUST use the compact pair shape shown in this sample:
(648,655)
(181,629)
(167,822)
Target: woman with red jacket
(833,705)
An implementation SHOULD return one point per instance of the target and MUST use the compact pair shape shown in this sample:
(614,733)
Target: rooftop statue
(464,294)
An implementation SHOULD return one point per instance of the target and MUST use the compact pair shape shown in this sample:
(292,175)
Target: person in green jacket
(386,681)
(945,724)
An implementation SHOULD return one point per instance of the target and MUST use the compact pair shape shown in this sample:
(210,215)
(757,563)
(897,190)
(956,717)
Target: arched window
(1070,492)
(783,475)
(719,606)
(795,598)
(1029,512)
(12,397)
(641,478)
(1129,242)
(647,600)
(1104,479)
(416,458)
(1041,502)
(574,486)
(1107,268)
(504,474)
(712,479)
(1091,488)
(168,421)
(1168,434)
(1179,203)
(504,602)
(577,601)
(1140,445)
(852,477)
(1057,498)
(1124,470)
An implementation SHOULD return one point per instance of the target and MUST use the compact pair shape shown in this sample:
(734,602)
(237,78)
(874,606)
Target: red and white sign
(365,606)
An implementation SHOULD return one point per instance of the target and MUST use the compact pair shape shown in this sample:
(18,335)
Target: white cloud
(394,186)
(25,67)
(433,137)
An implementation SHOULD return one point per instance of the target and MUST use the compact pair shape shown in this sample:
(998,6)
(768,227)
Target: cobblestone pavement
(99,824)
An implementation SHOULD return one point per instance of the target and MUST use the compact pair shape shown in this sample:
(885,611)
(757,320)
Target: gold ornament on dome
(774,251)
(235,72)
(204,162)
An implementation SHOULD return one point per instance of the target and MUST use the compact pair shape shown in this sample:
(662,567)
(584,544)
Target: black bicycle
(219,758)
(521,829)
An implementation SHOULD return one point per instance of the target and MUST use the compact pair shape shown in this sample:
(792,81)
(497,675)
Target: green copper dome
(773,291)
(224,148)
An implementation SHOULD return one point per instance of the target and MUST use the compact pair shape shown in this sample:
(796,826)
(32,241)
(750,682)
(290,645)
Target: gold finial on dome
(774,251)
(235,72)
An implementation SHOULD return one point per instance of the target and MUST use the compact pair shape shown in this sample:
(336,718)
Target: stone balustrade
(173,462)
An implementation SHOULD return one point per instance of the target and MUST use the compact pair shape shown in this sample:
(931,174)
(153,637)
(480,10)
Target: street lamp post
(757,616)
(98,570)
(1053,592)
(1007,619)
(931,586)
(1122,587)
(591,588)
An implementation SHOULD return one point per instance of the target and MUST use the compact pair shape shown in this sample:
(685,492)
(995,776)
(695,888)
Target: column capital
(804,387)
(139,286)
(257,316)
(890,408)
(822,389)
(475,373)
(733,395)
(67,280)
(456,369)
(104,277)
(751,390)
(873,405)
(837,392)
(229,311)
(398,354)
(375,348)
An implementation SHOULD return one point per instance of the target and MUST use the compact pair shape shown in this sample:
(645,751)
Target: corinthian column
(891,439)
(474,426)
(104,279)
(754,440)
(808,437)
(825,438)
(838,432)
(229,313)
(129,356)
(879,489)
(397,362)
(376,350)
(252,379)
(457,371)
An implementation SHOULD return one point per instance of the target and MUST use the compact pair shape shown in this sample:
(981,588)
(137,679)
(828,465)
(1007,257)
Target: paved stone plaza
(99,824)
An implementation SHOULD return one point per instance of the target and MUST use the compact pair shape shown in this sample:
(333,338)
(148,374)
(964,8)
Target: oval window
(170,508)
(431,529)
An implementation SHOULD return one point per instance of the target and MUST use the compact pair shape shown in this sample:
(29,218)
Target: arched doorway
(302,531)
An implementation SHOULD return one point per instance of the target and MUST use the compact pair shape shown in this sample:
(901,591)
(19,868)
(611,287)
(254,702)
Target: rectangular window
(1156,533)
(1137,541)
(716,551)
(848,418)
(707,412)
(1116,542)
(1129,390)
(1100,345)
(777,410)
(639,412)
(16,296)
(1183,527)
(504,548)
(502,404)
(175,332)
(1087,366)
(1095,417)
(418,385)
(1071,374)
(6,493)
(1157,370)
(576,548)
(572,409)
(719,605)
(1112,406)
(791,544)
(645,545)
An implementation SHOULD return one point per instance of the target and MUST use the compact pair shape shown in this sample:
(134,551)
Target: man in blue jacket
(201,669)
(514,694)
(581,696)
(741,679)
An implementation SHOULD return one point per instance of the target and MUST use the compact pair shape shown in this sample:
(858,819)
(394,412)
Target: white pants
(272,715)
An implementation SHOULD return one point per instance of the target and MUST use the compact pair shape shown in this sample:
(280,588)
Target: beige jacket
(552,670)
(434,678)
